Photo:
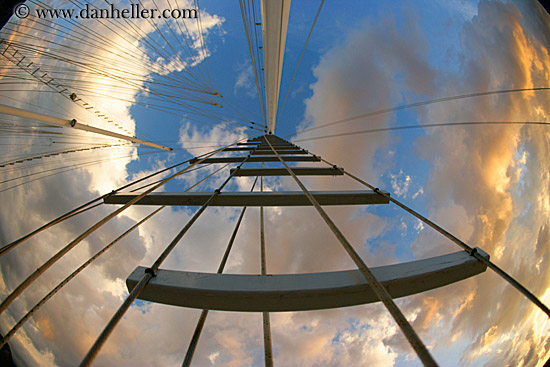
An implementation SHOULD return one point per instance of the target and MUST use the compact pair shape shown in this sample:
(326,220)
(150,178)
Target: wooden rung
(301,292)
(266,198)
(270,152)
(258,159)
(302,171)
(237,149)
(278,146)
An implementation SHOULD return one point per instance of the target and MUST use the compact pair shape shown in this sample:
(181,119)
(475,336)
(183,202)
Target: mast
(274,26)
(74,124)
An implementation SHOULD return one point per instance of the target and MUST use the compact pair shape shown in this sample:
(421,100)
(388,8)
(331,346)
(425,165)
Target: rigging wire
(204,313)
(258,43)
(92,353)
(195,58)
(203,45)
(266,324)
(428,125)
(88,262)
(50,154)
(375,284)
(253,61)
(301,55)
(63,217)
(206,115)
(13,295)
(71,96)
(68,169)
(470,250)
(423,103)
(386,111)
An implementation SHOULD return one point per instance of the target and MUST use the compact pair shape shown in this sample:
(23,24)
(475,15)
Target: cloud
(490,186)
(400,188)
(485,184)
(62,331)
(362,81)
(245,80)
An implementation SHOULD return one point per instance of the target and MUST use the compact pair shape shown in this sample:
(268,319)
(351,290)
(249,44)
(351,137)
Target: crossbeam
(238,149)
(282,151)
(302,171)
(272,141)
(258,159)
(266,198)
(73,124)
(280,148)
(301,292)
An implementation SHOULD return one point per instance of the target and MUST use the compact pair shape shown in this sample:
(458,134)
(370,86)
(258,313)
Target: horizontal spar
(261,147)
(273,142)
(302,292)
(282,152)
(266,198)
(279,149)
(258,159)
(278,146)
(302,171)
(237,149)
(75,125)
(285,149)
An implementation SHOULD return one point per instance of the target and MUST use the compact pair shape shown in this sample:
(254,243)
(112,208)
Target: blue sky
(488,185)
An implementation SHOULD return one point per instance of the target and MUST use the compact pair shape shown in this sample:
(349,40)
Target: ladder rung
(271,141)
(266,198)
(302,171)
(236,149)
(301,292)
(258,159)
(277,146)
(270,152)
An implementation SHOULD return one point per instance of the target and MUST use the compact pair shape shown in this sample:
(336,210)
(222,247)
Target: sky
(366,62)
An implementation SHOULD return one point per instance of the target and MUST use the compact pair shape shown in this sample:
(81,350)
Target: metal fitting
(151,271)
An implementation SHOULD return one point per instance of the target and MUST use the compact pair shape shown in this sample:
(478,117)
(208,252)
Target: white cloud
(491,187)
(418,193)
(400,183)
(477,191)
(62,331)
(245,80)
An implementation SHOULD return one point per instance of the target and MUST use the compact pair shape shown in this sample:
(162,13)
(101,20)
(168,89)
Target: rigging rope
(70,168)
(268,350)
(429,125)
(423,103)
(95,69)
(65,216)
(21,160)
(11,297)
(300,59)
(253,63)
(204,313)
(150,273)
(470,250)
(88,262)
(375,284)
